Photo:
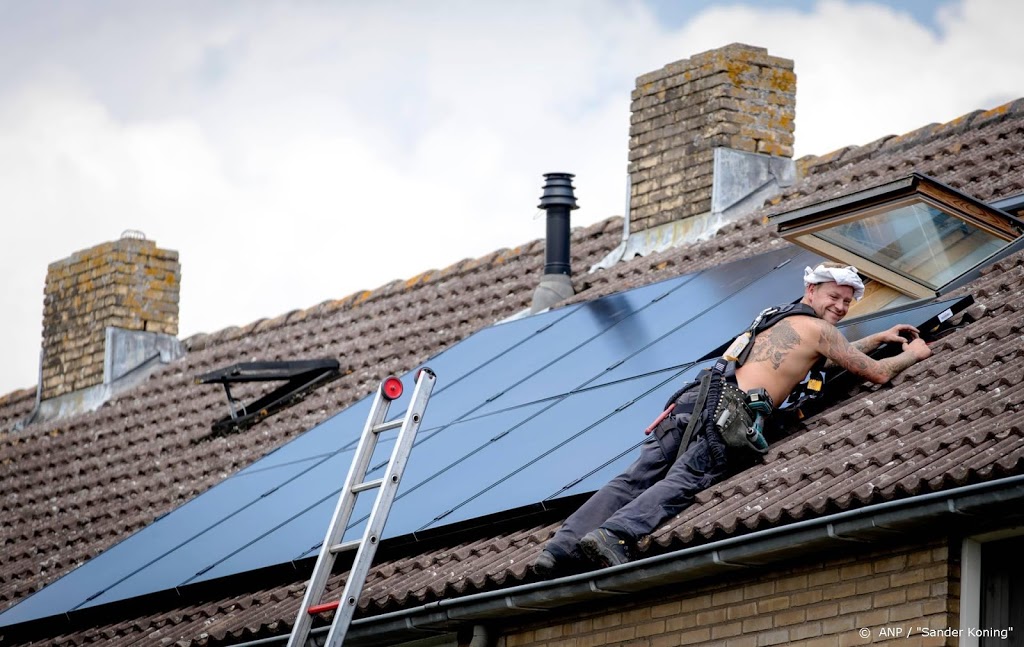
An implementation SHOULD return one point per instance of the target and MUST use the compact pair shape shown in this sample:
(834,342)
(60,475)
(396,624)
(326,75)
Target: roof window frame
(799,227)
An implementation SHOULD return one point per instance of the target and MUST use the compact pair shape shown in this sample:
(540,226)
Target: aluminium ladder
(390,389)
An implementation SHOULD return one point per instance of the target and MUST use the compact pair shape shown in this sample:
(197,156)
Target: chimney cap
(558,191)
(133,234)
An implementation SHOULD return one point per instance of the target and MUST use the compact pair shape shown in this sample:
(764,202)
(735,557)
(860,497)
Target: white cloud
(296,153)
(866,71)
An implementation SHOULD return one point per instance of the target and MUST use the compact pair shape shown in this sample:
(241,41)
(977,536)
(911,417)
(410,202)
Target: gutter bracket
(716,558)
(832,534)
(592,585)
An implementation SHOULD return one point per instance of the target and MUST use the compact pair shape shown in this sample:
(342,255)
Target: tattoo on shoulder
(774,344)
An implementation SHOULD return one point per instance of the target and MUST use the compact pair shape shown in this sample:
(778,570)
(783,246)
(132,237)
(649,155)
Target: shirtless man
(659,485)
(784,353)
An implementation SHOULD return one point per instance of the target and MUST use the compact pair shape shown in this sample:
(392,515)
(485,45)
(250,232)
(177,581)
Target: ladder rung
(320,608)
(369,485)
(342,547)
(384,426)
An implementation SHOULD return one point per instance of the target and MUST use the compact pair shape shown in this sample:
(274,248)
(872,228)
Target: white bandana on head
(841,275)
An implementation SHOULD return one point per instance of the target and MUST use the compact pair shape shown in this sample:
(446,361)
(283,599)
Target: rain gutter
(868,525)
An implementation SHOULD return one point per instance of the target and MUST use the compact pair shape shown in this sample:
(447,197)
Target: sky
(297,152)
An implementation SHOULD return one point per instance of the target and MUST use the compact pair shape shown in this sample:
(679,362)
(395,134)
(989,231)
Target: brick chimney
(108,311)
(725,112)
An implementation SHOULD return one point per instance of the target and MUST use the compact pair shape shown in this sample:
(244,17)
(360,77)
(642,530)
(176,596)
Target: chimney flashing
(128,351)
(552,289)
(741,183)
(741,178)
(130,356)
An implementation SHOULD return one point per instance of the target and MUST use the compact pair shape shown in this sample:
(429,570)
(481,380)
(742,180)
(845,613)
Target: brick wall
(737,96)
(821,605)
(128,283)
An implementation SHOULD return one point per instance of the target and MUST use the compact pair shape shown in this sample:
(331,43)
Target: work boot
(545,565)
(605,548)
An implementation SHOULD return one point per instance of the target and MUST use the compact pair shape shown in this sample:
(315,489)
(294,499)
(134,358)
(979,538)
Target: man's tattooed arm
(835,347)
(865,345)
(898,364)
(840,351)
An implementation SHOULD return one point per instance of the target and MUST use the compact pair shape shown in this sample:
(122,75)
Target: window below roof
(992,589)
(914,236)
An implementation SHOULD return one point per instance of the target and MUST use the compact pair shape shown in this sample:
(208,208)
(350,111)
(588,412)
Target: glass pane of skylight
(916,240)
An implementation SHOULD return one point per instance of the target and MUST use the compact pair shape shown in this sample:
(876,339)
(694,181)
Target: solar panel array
(524,412)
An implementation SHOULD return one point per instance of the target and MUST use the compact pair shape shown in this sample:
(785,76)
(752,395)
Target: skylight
(914,235)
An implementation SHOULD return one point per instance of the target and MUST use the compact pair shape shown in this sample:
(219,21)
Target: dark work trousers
(654,488)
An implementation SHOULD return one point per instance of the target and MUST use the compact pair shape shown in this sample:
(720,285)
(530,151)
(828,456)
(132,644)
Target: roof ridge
(16,395)
(812,164)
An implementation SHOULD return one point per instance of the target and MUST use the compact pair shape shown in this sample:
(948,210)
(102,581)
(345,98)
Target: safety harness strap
(698,409)
(707,401)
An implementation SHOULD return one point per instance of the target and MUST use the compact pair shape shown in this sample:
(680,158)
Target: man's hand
(898,334)
(919,348)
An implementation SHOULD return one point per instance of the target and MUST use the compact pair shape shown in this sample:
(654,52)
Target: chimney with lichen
(708,133)
(108,310)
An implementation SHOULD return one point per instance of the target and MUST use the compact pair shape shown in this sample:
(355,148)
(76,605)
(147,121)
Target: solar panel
(505,454)
(609,419)
(121,567)
(303,536)
(525,411)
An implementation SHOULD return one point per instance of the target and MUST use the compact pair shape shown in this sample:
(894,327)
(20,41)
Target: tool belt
(735,422)
(732,418)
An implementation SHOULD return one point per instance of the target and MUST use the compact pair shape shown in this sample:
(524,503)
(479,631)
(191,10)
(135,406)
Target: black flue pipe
(558,200)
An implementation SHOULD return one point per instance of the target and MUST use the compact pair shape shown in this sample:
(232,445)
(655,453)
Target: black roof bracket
(300,378)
